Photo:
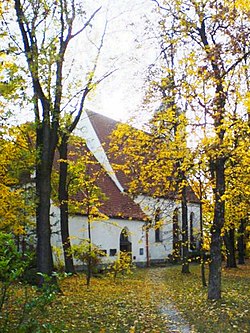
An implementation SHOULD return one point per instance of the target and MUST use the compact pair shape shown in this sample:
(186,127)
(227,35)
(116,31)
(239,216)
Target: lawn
(131,304)
(230,314)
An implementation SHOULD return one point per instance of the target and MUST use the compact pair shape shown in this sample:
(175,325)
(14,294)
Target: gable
(113,203)
(104,127)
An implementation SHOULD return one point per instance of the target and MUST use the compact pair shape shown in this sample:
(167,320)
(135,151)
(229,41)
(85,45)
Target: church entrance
(125,244)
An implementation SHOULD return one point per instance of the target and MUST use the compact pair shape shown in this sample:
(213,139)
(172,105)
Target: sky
(127,49)
(120,95)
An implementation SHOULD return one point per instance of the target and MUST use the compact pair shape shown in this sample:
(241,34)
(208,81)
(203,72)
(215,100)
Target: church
(148,227)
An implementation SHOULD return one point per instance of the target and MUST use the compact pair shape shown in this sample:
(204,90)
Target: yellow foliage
(16,206)
(12,208)
(85,196)
(150,159)
(243,5)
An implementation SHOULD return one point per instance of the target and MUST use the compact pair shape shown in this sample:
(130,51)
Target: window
(141,251)
(112,252)
(157,235)
(157,226)
(192,240)
(125,244)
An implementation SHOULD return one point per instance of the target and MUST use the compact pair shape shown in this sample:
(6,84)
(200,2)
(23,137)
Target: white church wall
(194,209)
(105,234)
(159,250)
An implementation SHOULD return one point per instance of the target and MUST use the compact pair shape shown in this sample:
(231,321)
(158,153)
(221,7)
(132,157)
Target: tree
(84,195)
(164,160)
(70,123)
(212,55)
(157,163)
(46,29)
(89,254)
(237,194)
(11,80)
(17,163)
(15,150)
(203,189)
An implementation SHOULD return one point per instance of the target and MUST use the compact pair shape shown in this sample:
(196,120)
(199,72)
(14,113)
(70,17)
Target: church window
(112,252)
(157,226)
(192,239)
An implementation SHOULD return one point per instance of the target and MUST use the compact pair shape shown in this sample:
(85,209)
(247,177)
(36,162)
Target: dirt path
(175,323)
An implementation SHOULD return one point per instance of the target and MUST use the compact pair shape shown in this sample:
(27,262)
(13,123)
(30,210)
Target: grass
(132,303)
(123,306)
(230,314)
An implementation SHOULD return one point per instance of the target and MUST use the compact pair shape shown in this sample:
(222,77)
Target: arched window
(125,244)
(192,239)
(158,237)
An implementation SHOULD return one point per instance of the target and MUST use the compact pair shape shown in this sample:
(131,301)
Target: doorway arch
(125,243)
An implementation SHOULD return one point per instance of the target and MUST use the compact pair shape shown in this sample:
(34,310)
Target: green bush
(12,263)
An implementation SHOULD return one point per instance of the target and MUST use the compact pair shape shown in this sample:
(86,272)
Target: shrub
(89,255)
(12,263)
(58,256)
(123,265)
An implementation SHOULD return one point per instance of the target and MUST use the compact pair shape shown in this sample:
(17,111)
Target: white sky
(125,48)
(121,94)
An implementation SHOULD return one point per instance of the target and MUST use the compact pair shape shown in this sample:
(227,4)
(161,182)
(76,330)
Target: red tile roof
(115,204)
(118,204)
(104,127)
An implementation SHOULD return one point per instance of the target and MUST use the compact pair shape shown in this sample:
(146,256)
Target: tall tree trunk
(44,252)
(229,241)
(46,139)
(43,191)
(63,200)
(185,262)
(214,285)
(241,245)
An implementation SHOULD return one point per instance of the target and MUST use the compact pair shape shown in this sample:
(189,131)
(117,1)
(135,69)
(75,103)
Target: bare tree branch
(91,84)
(87,23)
(244,57)
(158,4)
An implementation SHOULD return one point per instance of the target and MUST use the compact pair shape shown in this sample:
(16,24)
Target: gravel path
(175,323)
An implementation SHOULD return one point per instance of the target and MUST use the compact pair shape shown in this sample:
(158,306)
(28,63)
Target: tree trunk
(229,241)
(241,245)
(43,191)
(214,285)
(44,252)
(63,200)
(185,262)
